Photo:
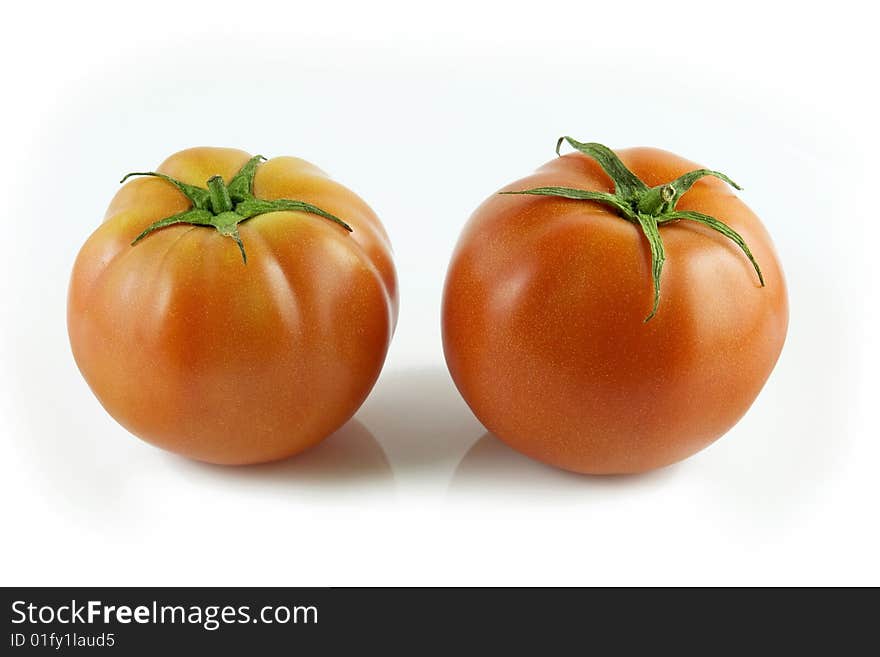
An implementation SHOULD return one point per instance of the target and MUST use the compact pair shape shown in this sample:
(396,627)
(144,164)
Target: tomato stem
(653,202)
(220,200)
(647,207)
(224,207)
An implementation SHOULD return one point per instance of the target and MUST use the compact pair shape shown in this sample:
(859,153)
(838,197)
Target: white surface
(425,112)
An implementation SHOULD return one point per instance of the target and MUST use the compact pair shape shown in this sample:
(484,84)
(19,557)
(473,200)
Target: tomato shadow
(421,421)
(490,468)
(349,459)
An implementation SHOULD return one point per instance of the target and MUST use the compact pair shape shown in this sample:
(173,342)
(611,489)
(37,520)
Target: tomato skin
(544,332)
(199,353)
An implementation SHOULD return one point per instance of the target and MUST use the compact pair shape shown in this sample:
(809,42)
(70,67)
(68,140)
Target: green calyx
(647,207)
(224,207)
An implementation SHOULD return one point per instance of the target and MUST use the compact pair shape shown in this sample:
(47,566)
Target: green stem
(224,207)
(649,207)
(220,199)
(654,201)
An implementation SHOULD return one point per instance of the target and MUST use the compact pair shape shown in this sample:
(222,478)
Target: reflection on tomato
(250,331)
(549,290)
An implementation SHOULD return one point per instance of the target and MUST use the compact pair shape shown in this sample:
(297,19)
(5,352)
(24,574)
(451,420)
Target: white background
(425,111)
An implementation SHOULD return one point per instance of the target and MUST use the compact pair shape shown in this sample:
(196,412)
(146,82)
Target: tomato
(215,320)
(609,316)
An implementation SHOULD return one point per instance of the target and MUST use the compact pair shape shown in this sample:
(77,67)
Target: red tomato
(547,296)
(199,352)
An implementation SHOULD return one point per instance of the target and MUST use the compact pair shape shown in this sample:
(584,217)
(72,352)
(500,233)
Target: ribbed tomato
(230,310)
(613,313)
